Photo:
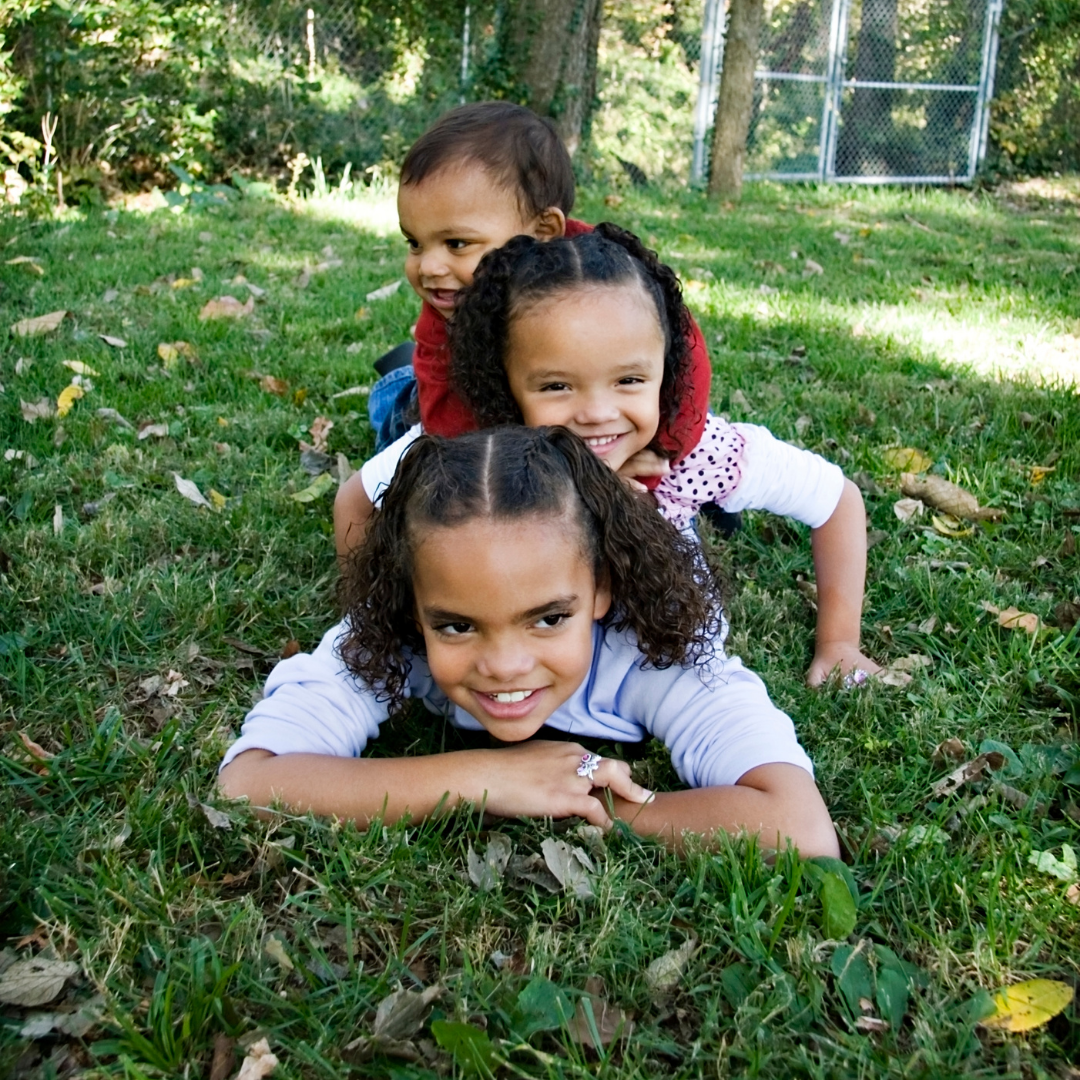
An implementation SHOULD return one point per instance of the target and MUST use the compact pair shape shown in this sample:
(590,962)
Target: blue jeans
(389,405)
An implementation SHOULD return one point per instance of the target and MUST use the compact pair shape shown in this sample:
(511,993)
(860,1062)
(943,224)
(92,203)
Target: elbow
(241,778)
(817,839)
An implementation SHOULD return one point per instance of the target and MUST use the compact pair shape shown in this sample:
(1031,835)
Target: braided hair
(662,591)
(512,279)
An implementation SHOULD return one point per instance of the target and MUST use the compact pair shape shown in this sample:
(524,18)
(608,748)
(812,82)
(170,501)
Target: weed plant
(136,627)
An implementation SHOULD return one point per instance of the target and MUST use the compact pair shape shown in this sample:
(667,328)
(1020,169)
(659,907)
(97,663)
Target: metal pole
(838,34)
(465,54)
(712,36)
(980,127)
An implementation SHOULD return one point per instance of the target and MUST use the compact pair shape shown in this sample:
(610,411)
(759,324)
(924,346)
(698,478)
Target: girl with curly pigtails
(589,332)
(515,585)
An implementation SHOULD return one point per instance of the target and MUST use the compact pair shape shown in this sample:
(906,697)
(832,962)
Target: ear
(549,224)
(602,598)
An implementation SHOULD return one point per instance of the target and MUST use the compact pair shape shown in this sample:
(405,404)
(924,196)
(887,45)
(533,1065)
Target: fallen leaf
(613,200)
(1038,473)
(221,1064)
(299,395)
(67,398)
(871,1023)
(190,491)
(810,267)
(939,494)
(258,1063)
(570,866)
(273,385)
(385,292)
(110,295)
(76,1024)
(1046,862)
(31,262)
(320,431)
(42,324)
(533,869)
(485,873)
(185,283)
(893,678)
(217,818)
(197,274)
(1028,1005)
(947,525)
(40,410)
(970,770)
(170,352)
(116,418)
(273,948)
(597,1023)
(217,500)
(353,391)
(949,750)
(35,981)
(912,662)
(1015,619)
(906,459)
(315,490)
(226,307)
(664,973)
(345,470)
(1067,614)
(34,749)
(80,368)
(1072,894)
(402,1014)
(928,626)
(115,342)
(153,431)
(907,509)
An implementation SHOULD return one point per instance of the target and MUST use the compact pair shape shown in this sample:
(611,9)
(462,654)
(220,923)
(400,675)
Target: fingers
(615,775)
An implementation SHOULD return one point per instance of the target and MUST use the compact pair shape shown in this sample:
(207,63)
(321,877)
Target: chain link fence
(854,90)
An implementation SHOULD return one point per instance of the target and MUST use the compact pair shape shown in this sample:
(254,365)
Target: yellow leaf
(185,282)
(1015,619)
(1028,1004)
(1038,473)
(29,261)
(68,396)
(43,324)
(906,459)
(80,368)
(226,307)
(947,525)
(217,499)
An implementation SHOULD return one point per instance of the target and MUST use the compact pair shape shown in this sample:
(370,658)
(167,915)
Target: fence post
(834,85)
(465,55)
(712,36)
(980,128)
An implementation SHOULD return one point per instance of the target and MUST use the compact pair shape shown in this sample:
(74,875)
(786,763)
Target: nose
(505,659)
(596,408)
(432,264)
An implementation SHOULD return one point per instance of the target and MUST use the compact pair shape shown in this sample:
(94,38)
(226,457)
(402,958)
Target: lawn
(136,626)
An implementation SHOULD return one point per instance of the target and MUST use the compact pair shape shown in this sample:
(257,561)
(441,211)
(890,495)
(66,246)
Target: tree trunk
(736,104)
(549,52)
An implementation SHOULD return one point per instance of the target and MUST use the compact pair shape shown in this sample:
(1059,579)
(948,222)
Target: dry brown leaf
(320,431)
(906,509)
(221,1065)
(39,410)
(1015,619)
(613,201)
(1072,893)
(970,770)
(871,1023)
(258,1063)
(153,431)
(1067,614)
(911,662)
(664,973)
(35,981)
(949,750)
(939,494)
(610,1021)
(226,307)
(42,324)
(273,385)
(115,342)
(34,749)
(273,948)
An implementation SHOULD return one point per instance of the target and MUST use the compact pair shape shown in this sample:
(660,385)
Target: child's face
(507,612)
(592,361)
(453,218)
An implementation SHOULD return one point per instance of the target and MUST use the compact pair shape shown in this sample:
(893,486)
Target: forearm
(839,548)
(352,511)
(356,789)
(776,803)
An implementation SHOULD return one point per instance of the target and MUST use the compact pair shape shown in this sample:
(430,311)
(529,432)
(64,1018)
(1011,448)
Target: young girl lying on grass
(514,584)
(590,332)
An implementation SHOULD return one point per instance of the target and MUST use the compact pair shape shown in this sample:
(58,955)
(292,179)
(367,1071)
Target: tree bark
(736,104)
(549,51)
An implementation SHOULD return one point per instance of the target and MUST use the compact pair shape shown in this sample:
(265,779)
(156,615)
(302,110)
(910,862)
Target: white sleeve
(312,705)
(377,472)
(717,721)
(784,480)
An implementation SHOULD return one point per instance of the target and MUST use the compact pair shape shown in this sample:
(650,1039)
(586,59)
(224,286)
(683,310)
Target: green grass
(106,862)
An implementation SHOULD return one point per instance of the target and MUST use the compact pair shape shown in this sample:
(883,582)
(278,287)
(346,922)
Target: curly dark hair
(513,278)
(662,590)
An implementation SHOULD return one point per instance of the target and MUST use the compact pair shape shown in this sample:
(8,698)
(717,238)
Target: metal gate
(862,91)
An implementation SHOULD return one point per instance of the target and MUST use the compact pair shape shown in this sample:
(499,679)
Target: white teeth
(601,440)
(512,696)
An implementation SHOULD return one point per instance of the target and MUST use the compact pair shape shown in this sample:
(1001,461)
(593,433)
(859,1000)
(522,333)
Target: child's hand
(844,655)
(540,779)
(644,463)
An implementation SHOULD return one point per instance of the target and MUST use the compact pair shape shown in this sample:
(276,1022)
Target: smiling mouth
(442,297)
(599,443)
(508,704)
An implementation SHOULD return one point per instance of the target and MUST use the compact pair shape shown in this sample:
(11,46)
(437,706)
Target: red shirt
(442,412)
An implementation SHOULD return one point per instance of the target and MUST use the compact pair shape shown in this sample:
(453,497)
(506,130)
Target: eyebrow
(631,367)
(550,607)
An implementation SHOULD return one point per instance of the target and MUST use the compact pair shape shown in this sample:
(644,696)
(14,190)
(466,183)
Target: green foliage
(1035,119)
